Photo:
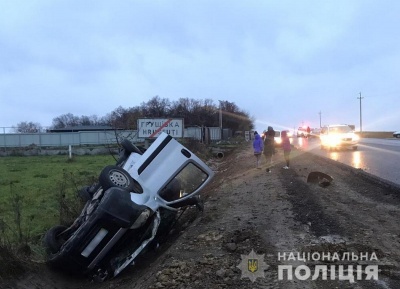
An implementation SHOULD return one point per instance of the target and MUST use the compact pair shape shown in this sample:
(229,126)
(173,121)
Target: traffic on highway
(379,157)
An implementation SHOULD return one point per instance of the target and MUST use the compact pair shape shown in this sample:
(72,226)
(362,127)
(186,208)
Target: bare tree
(85,120)
(235,118)
(27,127)
(68,120)
(156,107)
(122,118)
(194,112)
(65,120)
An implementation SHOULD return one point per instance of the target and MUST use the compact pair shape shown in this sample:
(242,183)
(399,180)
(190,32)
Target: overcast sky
(281,61)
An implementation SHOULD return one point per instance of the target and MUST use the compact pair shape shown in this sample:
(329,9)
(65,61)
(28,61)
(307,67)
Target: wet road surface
(380,157)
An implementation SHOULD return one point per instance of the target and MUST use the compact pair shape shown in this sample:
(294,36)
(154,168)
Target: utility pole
(220,116)
(360,98)
(320,119)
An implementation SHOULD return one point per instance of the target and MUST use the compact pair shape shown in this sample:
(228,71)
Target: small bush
(17,153)
(200,149)
(70,205)
(10,265)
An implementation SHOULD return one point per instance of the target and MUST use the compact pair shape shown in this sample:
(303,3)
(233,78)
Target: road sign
(152,127)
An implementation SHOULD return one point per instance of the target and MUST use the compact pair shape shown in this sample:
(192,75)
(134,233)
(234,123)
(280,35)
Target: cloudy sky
(281,61)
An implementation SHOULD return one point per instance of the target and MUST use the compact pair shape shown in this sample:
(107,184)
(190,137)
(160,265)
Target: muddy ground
(272,213)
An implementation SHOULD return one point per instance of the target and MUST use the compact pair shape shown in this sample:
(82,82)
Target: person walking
(308,131)
(286,148)
(258,148)
(269,145)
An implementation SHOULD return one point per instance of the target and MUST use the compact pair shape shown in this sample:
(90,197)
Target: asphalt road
(380,157)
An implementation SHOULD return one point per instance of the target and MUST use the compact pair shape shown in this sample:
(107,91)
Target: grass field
(32,190)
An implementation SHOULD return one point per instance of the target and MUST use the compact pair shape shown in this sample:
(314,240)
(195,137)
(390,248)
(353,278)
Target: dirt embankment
(271,213)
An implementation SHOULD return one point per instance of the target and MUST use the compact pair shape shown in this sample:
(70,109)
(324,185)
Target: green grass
(36,184)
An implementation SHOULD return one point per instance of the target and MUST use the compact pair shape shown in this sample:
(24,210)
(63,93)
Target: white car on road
(338,136)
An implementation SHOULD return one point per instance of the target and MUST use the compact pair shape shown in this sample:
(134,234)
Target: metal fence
(16,140)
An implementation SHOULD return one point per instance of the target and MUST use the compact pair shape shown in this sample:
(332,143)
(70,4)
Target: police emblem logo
(252,266)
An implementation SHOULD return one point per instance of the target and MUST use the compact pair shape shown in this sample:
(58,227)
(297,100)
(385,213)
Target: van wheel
(52,241)
(115,176)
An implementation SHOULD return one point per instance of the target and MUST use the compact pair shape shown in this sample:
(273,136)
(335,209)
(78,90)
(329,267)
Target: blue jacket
(258,144)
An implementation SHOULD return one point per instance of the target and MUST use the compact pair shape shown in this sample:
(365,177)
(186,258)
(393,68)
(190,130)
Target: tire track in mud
(306,207)
(356,213)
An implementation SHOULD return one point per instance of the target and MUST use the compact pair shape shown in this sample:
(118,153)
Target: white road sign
(152,127)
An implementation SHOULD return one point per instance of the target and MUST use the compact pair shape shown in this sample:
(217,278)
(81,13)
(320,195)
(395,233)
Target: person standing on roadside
(269,144)
(286,148)
(258,148)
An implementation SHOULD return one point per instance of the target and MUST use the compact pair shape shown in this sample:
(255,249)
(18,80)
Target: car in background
(396,134)
(338,136)
(278,137)
(302,132)
(315,132)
